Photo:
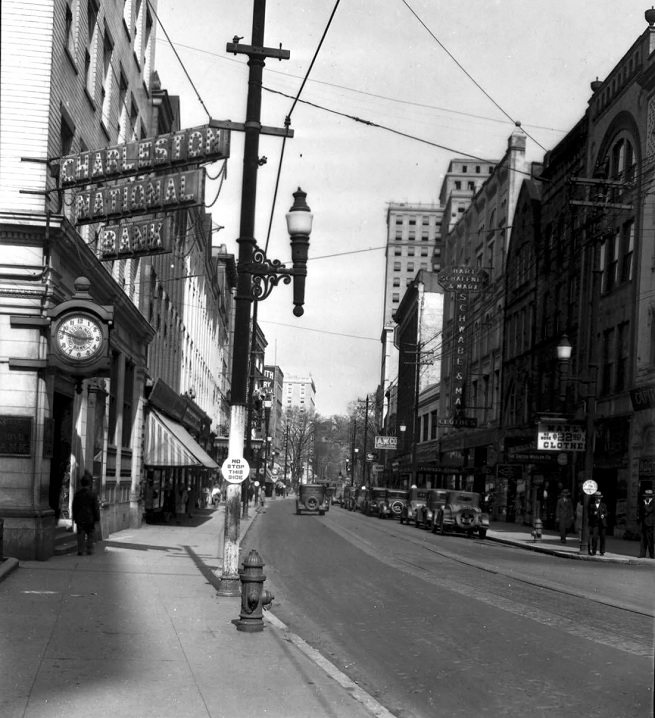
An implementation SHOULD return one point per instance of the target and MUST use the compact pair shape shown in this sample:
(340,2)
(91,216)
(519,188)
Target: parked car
(426,514)
(361,494)
(415,499)
(312,497)
(393,503)
(375,498)
(462,513)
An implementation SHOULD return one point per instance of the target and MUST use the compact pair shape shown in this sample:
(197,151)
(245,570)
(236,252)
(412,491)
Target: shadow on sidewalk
(207,571)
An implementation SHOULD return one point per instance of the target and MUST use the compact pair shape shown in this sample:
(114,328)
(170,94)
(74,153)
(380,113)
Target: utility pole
(257,53)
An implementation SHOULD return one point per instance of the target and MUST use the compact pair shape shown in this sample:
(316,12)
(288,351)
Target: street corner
(8,566)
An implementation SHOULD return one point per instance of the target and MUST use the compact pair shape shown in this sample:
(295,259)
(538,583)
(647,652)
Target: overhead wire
(467,73)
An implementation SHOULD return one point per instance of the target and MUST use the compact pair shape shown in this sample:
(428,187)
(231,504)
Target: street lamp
(564,353)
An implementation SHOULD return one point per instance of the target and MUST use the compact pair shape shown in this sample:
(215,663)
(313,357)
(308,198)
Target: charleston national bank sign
(139,184)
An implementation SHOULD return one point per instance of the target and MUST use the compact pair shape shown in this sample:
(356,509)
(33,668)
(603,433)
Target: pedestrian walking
(86,514)
(597,523)
(262,496)
(216,496)
(181,498)
(564,514)
(191,501)
(579,512)
(647,521)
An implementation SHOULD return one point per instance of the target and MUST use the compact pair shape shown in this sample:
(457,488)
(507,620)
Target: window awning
(168,443)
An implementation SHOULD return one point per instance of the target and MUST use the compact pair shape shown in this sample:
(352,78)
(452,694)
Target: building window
(622,346)
(425,236)
(458,184)
(424,251)
(610,262)
(89,60)
(412,221)
(67,134)
(465,168)
(410,251)
(410,266)
(628,241)
(399,220)
(107,79)
(70,30)
(411,236)
(426,221)
(399,236)
(396,266)
(425,427)
(398,252)
(470,185)
(128,402)
(608,361)
(395,297)
(396,281)
(433,425)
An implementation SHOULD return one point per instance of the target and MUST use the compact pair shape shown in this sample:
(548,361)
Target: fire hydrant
(253,595)
(536,531)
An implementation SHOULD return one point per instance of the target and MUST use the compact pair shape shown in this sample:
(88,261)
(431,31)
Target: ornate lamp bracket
(266,274)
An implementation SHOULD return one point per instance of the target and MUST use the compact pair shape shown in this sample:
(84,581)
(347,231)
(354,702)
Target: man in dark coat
(86,514)
(597,523)
(647,521)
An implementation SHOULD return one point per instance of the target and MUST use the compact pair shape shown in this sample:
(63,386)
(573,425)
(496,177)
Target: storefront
(173,457)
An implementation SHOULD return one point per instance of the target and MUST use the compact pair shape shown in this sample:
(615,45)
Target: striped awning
(168,443)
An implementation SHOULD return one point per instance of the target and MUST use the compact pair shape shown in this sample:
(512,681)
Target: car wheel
(312,503)
(482,533)
(321,513)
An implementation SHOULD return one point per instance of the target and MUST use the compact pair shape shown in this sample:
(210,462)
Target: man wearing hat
(647,520)
(564,514)
(597,523)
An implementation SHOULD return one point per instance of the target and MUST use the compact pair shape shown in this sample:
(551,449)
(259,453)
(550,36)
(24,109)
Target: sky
(439,78)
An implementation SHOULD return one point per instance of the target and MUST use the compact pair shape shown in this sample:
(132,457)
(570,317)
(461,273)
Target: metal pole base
(230,586)
(250,625)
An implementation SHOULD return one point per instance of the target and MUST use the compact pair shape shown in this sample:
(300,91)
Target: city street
(442,625)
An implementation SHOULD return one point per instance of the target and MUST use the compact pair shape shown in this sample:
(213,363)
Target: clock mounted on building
(79,336)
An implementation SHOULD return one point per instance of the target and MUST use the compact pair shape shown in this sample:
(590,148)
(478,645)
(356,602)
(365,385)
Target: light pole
(403,429)
(564,351)
(256,276)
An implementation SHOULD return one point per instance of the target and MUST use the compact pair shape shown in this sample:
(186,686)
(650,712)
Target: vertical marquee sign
(462,282)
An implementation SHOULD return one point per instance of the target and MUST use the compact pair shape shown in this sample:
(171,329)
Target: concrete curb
(8,566)
(568,554)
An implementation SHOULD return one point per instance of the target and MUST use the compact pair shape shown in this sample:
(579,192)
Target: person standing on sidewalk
(86,514)
(597,523)
(564,514)
(647,521)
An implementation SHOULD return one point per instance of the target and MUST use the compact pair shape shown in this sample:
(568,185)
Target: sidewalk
(137,630)
(616,550)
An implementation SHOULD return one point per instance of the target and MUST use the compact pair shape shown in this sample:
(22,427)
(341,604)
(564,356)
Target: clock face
(79,337)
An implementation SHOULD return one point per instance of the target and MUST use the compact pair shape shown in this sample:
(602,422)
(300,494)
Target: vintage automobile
(462,513)
(375,498)
(312,497)
(426,514)
(415,499)
(393,504)
(348,498)
(361,495)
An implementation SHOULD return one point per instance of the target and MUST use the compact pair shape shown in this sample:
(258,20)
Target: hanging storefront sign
(170,151)
(386,442)
(463,279)
(134,239)
(560,437)
(643,397)
(128,199)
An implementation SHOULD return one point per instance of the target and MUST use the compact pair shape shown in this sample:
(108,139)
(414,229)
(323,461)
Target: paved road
(443,626)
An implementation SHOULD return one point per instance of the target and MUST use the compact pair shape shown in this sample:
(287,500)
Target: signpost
(235,471)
